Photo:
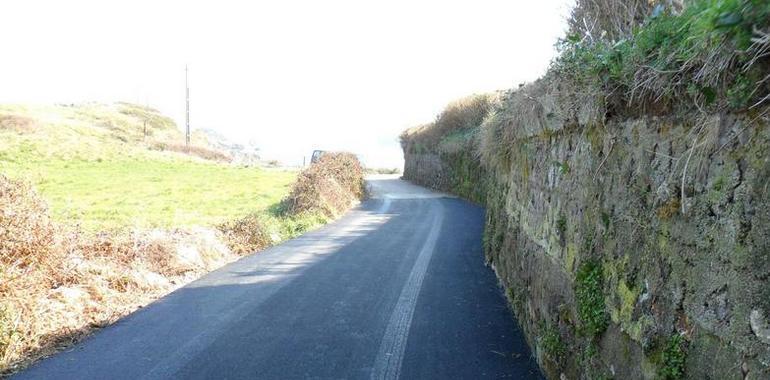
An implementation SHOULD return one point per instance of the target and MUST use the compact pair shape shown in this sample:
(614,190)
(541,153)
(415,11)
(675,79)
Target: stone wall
(637,249)
(427,169)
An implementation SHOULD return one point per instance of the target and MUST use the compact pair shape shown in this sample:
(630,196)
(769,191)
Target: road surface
(397,288)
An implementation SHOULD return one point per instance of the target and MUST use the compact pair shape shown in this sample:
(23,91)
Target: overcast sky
(292,76)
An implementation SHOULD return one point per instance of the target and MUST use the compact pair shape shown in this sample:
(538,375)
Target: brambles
(246,235)
(328,187)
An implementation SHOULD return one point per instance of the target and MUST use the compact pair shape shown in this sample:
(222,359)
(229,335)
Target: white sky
(291,75)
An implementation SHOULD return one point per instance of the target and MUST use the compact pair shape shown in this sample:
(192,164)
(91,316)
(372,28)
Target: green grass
(151,193)
(95,167)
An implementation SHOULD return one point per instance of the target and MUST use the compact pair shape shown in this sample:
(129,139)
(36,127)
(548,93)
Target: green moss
(569,259)
(606,220)
(673,358)
(468,178)
(595,136)
(628,298)
(551,342)
(621,304)
(719,184)
(636,329)
(589,286)
(561,224)
(514,299)
(562,166)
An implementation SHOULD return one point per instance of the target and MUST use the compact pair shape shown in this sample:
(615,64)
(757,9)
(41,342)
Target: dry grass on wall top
(329,187)
(459,116)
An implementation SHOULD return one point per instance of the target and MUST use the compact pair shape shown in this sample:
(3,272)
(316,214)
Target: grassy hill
(108,166)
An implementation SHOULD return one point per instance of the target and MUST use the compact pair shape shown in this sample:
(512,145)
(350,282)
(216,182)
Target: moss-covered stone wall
(637,248)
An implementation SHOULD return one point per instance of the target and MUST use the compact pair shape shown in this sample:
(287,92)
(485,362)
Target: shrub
(29,262)
(246,235)
(26,231)
(329,187)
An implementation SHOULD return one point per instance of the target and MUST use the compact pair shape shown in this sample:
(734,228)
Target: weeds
(551,341)
(561,224)
(589,292)
(674,357)
(710,54)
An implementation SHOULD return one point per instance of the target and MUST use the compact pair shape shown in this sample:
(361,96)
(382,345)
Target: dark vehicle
(316,156)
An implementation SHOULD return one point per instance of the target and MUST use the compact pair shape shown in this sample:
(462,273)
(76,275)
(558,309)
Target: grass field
(96,166)
(151,193)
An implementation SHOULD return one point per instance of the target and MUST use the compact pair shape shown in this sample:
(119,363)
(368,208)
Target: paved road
(395,289)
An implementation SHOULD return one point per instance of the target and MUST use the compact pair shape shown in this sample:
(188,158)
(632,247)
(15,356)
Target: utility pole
(187,110)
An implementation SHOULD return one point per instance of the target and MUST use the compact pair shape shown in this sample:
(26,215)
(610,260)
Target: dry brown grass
(17,123)
(246,235)
(328,187)
(57,285)
(460,116)
(611,19)
(193,150)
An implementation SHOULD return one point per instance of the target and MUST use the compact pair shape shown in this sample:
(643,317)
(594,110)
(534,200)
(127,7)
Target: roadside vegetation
(707,54)
(102,211)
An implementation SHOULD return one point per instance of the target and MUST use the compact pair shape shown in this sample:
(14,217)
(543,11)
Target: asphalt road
(395,289)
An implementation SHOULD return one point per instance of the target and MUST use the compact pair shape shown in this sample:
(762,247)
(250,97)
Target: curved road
(395,289)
